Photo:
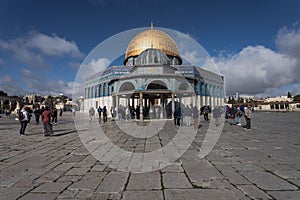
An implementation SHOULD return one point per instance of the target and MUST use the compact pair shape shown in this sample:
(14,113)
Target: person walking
(206,111)
(248,117)
(177,116)
(24,119)
(46,118)
(188,115)
(216,115)
(60,112)
(99,110)
(195,117)
(37,114)
(54,115)
(92,114)
(104,114)
(239,115)
(232,114)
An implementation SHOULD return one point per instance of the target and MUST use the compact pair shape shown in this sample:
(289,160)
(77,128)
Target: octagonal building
(152,78)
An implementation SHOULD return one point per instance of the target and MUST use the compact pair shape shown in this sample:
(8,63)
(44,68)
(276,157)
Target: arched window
(157,85)
(127,86)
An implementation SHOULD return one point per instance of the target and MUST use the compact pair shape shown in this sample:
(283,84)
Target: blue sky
(256,44)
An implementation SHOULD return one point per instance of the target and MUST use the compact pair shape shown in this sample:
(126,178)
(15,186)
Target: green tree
(297,98)
(289,95)
(3,93)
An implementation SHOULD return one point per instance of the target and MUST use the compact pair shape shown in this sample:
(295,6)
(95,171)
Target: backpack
(21,116)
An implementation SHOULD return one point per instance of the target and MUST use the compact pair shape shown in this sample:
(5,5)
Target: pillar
(117,106)
(173,105)
(141,106)
(1,106)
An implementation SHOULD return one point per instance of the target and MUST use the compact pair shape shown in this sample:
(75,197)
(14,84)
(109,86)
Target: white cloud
(288,41)
(255,70)
(53,45)
(261,71)
(32,48)
(8,85)
(93,67)
(191,56)
(22,53)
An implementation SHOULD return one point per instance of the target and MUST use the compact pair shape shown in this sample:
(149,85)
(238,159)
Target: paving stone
(51,187)
(200,170)
(67,194)
(291,195)
(268,181)
(174,167)
(49,177)
(69,178)
(145,195)
(295,181)
(37,196)
(94,175)
(77,171)
(85,185)
(64,167)
(74,159)
(146,181)
(100,196)
(213,184)
(247,167)
(253,192)
(13,192)
(288,174)
(176,180)
(113,182)
(98,168)
(234,177)
(30,168)
(84,194)
(213,194)
(11,181)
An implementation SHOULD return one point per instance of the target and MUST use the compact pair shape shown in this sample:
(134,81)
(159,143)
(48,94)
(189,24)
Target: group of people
(127,112)
(237,115)
(185,114)
(102,113)
(48,117)
(7,112)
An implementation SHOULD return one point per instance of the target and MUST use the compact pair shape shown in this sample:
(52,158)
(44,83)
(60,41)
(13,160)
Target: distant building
(279,99)
(279,103)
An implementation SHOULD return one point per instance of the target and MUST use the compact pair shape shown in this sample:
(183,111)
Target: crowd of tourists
(47,116)
(239,115)
(184,115)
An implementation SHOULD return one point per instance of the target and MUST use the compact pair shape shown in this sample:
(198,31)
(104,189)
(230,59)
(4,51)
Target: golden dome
(152,38)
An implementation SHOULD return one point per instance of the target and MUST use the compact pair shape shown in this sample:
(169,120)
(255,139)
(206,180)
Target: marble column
(141,106)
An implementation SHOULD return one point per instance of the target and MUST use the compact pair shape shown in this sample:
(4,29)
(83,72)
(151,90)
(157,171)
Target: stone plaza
(261,163)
